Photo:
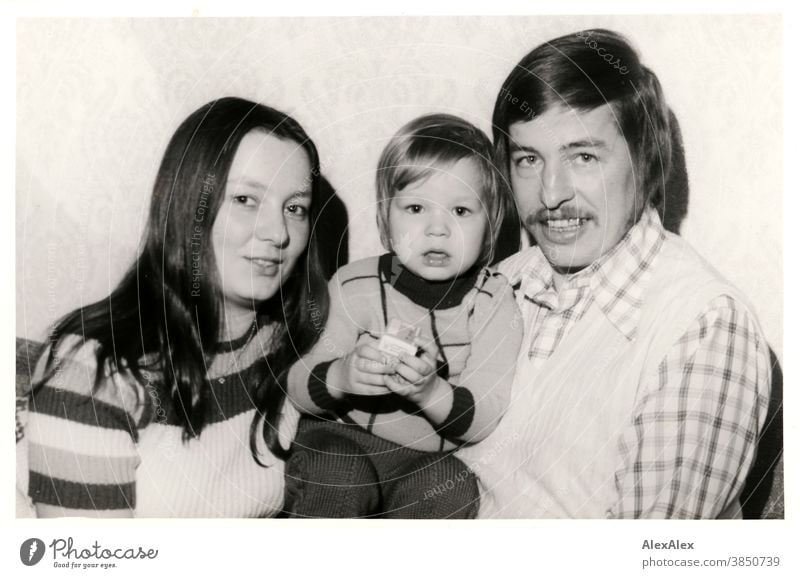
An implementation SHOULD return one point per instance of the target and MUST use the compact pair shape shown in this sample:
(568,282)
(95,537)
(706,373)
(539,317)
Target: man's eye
(585,158)
(526,160)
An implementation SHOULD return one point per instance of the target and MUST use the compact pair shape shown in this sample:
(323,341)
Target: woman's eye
(298,211)
(244,200)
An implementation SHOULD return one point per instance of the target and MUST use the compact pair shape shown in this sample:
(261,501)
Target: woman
(164,399)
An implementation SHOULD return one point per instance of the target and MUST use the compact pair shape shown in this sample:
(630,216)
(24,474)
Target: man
(644,378)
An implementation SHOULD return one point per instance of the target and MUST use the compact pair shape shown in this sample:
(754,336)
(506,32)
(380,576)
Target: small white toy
(398,339)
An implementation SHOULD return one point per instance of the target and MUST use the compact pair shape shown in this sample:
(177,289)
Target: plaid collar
(616,281)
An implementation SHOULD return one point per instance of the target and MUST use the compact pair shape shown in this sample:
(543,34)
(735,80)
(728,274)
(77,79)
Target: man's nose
(556,185)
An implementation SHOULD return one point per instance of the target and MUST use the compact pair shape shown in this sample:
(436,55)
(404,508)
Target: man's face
(572,176)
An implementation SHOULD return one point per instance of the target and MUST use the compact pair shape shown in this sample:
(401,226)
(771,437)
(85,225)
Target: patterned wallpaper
(97,101)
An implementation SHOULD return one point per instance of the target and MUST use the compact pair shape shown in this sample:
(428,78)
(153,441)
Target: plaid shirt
(695,424)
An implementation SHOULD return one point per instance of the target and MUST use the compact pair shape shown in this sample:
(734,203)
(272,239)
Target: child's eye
(462,211)
(414,209)
(297,211)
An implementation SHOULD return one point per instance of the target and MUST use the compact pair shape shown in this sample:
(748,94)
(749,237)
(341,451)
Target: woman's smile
(265,266)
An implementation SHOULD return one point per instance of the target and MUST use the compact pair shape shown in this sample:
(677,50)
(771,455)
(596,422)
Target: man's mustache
(544,215)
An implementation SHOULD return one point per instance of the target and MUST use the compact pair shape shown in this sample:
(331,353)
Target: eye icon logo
(31,551)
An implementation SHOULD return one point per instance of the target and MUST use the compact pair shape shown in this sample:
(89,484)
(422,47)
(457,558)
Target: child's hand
(414,377)
(361,372)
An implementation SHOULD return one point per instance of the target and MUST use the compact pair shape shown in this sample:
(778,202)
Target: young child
(418,352)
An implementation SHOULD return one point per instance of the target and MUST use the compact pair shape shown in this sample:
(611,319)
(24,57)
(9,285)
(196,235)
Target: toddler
(418,352)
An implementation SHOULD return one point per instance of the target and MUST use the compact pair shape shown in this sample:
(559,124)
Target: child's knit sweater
(474,322)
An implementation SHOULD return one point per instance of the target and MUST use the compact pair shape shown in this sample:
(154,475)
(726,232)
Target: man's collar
(617,280)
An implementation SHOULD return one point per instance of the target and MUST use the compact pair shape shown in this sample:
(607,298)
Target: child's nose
(438,225)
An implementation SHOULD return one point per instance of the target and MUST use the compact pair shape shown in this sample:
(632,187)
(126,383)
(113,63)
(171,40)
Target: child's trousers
(342,471)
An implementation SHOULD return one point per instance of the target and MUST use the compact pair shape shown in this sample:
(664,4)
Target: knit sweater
(473,321)
(120,447)
(561,451)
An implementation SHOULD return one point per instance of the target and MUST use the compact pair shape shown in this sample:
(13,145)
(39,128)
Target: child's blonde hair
(426,145)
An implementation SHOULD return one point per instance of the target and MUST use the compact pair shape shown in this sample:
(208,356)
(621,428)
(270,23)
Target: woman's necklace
(230,367)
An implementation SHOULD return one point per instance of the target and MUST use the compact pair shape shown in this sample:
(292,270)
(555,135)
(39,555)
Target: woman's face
(262,227)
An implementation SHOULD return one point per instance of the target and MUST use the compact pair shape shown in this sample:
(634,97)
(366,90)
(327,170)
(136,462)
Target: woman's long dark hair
(163,307)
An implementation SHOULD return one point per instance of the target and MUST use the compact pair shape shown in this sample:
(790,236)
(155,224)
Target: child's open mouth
(436,258)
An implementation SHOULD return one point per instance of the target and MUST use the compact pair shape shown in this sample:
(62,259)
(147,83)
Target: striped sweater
(474,322)
(120,447)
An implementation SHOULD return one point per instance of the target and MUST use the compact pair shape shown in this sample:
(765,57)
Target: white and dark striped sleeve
(82,440)
(693,436)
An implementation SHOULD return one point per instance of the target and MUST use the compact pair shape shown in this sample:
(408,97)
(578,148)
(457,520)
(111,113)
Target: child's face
(437,225)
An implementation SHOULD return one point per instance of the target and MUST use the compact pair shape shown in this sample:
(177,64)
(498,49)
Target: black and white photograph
(473,270)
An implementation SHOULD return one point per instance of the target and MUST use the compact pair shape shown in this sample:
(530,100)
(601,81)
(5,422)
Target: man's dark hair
(582,71)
